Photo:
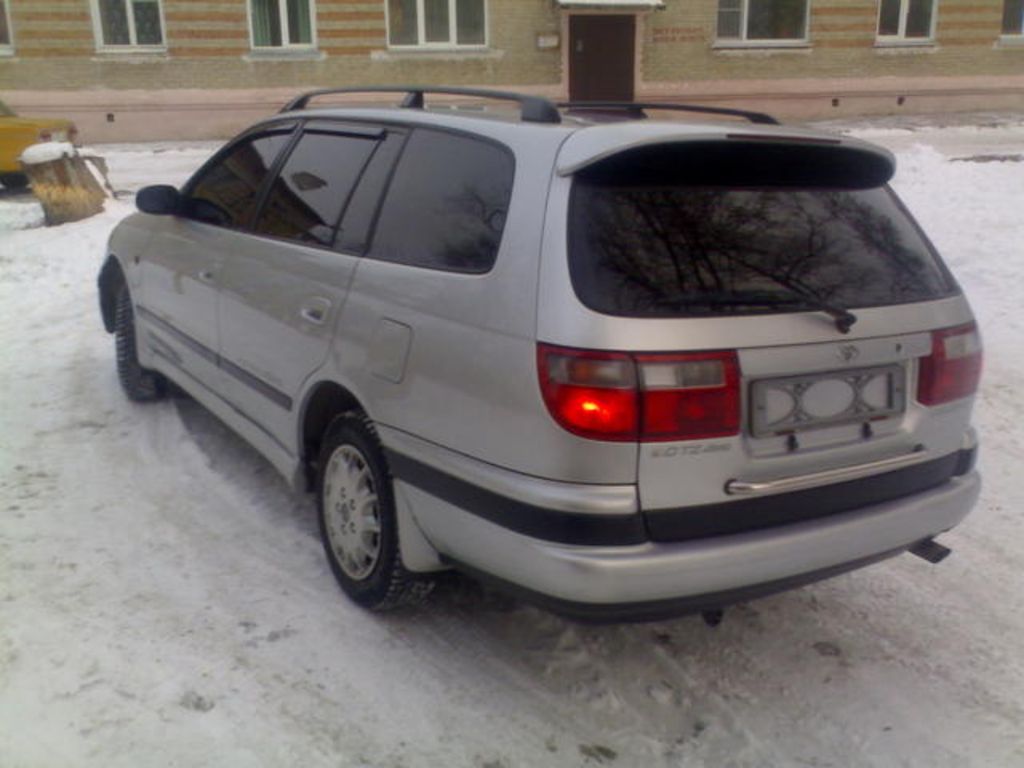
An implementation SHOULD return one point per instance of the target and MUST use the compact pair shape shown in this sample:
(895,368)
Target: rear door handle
(315,310)
(207,276)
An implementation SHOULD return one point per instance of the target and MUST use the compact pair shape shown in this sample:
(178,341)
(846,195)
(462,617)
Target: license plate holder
(789,404)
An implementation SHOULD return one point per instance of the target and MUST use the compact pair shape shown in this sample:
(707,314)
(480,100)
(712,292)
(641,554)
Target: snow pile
(20,214)
(164,599)
(47,152)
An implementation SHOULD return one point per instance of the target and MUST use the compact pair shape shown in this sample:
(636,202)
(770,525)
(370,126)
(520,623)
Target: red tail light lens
(646,397)
(45,135)
(591,394)
(689,397)
(953,369)
(73,135)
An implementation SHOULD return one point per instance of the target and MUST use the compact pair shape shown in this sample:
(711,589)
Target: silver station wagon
(626,367)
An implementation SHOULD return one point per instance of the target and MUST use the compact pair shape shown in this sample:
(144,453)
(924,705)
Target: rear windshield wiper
(844,319)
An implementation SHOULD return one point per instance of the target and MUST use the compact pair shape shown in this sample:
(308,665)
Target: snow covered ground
(164,600)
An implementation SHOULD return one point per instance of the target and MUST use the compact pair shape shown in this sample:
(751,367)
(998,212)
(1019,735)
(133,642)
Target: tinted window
(446,205)
(225,192)
(677,251)
(306,199)
(358,218)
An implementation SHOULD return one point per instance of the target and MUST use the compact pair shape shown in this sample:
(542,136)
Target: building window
(906,19)
(439,23)
(129,23)
(762,20)
(1013,17)
(281,23)
(6,45)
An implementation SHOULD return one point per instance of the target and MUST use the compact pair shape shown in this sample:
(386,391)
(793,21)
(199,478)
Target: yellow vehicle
(16,133)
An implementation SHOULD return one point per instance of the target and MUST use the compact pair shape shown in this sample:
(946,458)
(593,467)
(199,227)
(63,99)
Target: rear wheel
(138,383)
(358,523)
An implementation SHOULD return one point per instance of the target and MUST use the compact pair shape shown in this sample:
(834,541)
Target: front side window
(281,23)
(906,19)
(762,20)
(5,27)
(1013,17)
(129,23)
(446,205)
(225,192)
(440,23)
(314,187)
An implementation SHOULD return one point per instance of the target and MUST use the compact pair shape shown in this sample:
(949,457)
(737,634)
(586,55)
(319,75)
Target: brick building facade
(193,68)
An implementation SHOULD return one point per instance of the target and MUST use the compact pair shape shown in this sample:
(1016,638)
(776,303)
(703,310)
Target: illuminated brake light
(953,369)
(647,397)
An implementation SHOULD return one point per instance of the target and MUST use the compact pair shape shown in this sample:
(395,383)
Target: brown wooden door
(601,57)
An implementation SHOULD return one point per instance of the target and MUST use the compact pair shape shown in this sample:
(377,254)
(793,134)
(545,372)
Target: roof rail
(533,109)
(637,109)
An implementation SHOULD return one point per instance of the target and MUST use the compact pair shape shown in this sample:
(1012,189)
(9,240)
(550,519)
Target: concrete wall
(208,82)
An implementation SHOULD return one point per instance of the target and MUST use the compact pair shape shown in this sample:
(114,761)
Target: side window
(225,192)
(315,183)
(358,218)
(446,205)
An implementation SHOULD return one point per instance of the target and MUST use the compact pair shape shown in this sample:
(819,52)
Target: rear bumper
(654,579)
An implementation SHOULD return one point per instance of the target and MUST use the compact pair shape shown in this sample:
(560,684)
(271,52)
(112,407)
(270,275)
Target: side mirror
(159,199)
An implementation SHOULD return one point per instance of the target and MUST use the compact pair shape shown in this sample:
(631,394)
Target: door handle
(315,310)
(207,276)
(312,315)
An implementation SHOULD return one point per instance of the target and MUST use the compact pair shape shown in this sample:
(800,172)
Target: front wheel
(358,523)
(138,383)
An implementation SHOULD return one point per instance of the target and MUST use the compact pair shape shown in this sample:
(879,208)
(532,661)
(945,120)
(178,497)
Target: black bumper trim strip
(732,517)
(538,522)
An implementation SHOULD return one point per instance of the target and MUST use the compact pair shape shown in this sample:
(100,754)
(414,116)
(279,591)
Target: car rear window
(649,239)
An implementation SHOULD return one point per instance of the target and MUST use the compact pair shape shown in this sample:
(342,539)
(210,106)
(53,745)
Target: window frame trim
(131,47)
(743,41)
(900,38)
(282,12)
(452,44)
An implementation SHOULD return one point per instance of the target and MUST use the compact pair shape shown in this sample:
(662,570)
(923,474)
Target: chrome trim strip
(828,476)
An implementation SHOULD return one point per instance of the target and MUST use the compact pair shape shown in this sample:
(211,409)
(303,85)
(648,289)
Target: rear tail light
(953,369)
(45,135)
(73,135)
(646,397)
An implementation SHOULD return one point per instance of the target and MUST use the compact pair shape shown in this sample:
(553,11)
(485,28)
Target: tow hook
(930,550)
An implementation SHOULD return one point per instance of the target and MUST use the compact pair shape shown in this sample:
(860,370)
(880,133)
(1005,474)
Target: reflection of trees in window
(700,250)
(447,204)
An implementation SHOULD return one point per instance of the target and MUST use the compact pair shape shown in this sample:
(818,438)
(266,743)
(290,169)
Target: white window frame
(132,46)
(7,49)
(762,42)
(286,32)
(421,30)
(900,37)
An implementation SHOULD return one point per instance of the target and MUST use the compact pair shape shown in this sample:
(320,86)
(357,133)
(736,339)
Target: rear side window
(659,246)
(446,204)
(306,199)
(226,191)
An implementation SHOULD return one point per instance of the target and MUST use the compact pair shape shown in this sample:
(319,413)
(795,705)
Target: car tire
(358,523)
(138,383)
(14,180)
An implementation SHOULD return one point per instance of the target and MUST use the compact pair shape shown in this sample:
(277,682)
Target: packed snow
(164,600)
